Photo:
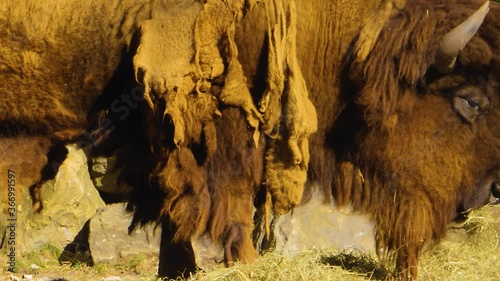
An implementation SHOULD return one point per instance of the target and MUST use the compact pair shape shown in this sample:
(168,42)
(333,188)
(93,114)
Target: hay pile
(469,253)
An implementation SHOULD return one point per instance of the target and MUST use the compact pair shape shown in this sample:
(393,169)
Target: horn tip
(485,7)
(455,40)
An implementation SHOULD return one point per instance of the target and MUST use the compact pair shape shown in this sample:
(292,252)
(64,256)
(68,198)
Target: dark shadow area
(358,263)
(112,198)
(263,241)
(176,258)
(55,157)
(3,237)
(259,81)
(78,251)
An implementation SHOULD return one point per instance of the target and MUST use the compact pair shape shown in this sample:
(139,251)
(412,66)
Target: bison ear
(455,40)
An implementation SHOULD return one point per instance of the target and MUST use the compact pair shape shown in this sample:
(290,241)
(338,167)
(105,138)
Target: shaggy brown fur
(415,164)
(396,149)
(289,114)
(234,175)
(209,164)
(325,31)
(58,81)
(192,147)
(219,73)
(54,65)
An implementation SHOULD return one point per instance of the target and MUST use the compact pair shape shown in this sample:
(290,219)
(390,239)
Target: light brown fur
(56,64)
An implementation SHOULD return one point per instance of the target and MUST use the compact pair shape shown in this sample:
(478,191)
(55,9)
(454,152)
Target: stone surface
(69,201)
(318,225)
(207,254)
(105,174)
(312,225)
(110,242)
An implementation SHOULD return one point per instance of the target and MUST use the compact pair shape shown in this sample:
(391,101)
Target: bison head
(419,142)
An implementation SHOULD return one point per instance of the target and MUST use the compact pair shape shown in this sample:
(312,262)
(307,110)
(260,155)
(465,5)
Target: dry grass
(474,254)
(469,253)
(43,264)
(315,264)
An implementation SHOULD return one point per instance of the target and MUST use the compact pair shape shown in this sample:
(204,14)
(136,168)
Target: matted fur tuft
(202,125)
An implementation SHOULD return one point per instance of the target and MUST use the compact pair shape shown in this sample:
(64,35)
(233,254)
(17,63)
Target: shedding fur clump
(169,74)
(208,164)
(180,164)
(210,161)
(236,93)
(180,118)
(209,56)
(163,57)
(289,114)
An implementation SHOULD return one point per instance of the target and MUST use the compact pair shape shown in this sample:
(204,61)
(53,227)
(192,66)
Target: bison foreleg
(407,263)
(176,258)
(238,245)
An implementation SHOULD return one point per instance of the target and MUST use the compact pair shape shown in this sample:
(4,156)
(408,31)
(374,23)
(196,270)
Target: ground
(468,253)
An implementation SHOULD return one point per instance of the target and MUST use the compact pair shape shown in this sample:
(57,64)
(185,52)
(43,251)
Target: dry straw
(471,252)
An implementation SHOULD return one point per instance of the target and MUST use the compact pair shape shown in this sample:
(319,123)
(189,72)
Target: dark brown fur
(234,175)
(420,162)
(389,143)
(417,164)
(26,157)
(195,190)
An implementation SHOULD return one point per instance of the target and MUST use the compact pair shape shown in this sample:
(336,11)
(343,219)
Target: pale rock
(104,175)
(207,253)
(319,225)
(69,201)
(110,242)
(311,225)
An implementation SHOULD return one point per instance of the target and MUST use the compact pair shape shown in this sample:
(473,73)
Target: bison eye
(466,108)
(470,103)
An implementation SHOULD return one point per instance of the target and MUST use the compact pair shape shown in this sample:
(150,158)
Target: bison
(159,86)
(211,107)
(414,129)
(408,120)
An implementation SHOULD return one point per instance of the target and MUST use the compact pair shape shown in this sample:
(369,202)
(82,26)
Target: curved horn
(455,40)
